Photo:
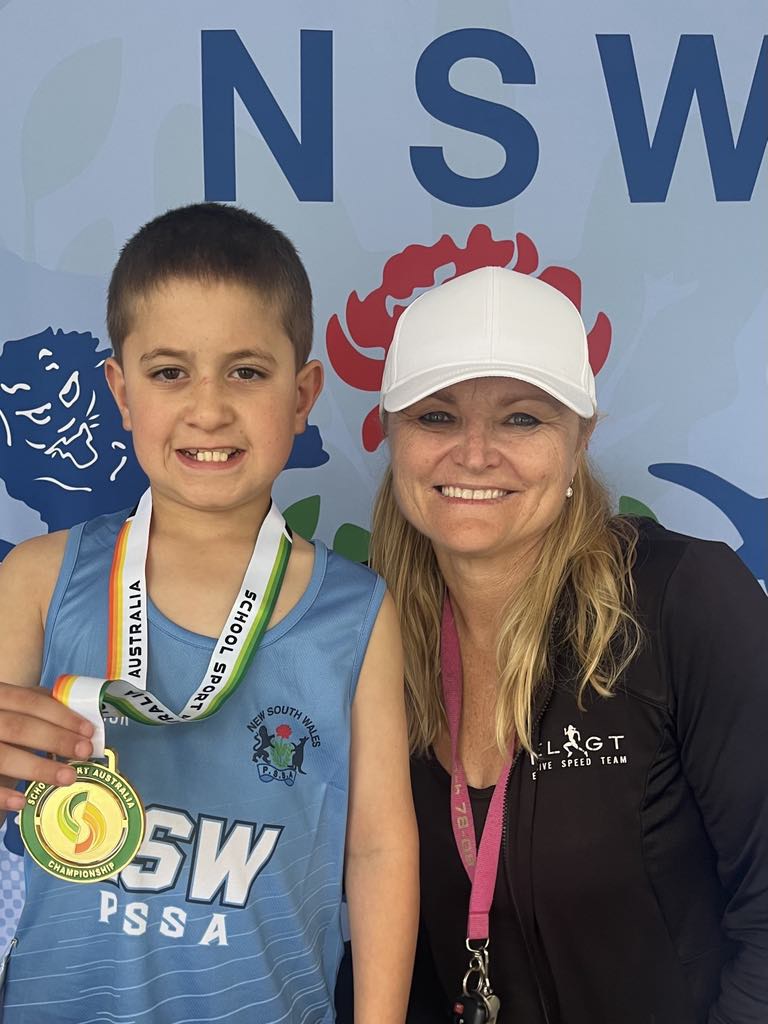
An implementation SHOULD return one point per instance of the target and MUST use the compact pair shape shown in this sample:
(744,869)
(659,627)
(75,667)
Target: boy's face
(208,386)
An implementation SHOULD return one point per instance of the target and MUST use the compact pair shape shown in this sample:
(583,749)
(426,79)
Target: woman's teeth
(471,495)
(210,454)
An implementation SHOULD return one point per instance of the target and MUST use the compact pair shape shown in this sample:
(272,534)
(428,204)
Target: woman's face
(481,467)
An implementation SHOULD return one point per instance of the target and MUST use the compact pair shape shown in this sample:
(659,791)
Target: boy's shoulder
(100,533)
(341,571)
(356,588)
(315,566)
(35,561)
(29,571)
(349,591)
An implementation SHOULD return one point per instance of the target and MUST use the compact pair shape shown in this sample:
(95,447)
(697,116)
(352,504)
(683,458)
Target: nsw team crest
(284,738)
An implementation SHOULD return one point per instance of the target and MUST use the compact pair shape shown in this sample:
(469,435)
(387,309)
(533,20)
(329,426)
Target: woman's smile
(462,492)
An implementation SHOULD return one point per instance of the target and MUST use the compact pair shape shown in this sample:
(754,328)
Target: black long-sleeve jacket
(636,845)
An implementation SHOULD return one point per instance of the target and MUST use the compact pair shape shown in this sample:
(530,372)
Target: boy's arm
(382,845)
(31,719)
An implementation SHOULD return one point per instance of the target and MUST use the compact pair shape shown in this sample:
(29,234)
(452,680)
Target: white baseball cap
(491,322)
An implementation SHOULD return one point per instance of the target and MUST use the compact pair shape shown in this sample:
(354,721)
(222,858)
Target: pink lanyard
(481,865)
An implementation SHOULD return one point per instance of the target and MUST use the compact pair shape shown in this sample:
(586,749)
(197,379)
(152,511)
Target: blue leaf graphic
(749,514)
(308,451)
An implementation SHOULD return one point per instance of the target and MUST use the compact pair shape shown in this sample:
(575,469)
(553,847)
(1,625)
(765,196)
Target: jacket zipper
(505,852)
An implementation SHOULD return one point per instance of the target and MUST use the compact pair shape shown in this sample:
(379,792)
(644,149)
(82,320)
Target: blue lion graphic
(65,452)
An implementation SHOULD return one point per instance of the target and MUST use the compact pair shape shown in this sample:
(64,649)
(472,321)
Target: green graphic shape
(352,542)
(303,515)
(632,507)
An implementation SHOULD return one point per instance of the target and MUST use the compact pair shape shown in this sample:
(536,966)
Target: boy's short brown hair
(212,242)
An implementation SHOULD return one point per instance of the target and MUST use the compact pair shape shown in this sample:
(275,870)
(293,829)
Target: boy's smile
(209,388)
(210,455)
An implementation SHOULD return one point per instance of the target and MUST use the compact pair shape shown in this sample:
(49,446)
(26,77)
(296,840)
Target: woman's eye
(523,419)
(167,373)
(436,417)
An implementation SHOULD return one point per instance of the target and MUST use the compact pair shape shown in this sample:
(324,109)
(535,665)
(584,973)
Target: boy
(230,909)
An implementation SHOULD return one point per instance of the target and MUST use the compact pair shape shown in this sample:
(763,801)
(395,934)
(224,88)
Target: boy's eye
(247,373)
(167,373)
(523,419)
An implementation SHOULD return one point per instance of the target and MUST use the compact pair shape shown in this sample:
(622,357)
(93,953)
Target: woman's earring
(569,492)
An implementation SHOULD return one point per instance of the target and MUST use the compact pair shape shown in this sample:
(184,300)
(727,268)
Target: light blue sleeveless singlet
(231,910)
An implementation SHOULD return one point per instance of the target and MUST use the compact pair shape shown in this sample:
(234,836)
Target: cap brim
(424,384)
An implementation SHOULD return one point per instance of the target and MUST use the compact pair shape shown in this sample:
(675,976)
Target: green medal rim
(41,853)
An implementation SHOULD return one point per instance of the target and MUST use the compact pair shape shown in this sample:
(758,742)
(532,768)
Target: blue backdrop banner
(615,152)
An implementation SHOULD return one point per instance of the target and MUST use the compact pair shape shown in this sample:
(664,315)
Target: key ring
(482,981)
(478,965)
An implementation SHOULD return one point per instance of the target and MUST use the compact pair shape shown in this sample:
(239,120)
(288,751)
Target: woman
(614,711)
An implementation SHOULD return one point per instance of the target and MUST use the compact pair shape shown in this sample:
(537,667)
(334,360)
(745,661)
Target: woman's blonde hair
(580,594)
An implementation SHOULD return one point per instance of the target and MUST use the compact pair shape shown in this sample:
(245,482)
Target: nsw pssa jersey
(231,909)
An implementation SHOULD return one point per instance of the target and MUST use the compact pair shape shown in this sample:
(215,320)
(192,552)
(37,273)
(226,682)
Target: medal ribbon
(125,688)
(481,864)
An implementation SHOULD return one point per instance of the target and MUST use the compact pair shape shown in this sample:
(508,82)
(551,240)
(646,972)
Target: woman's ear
(585,432)
(113,371)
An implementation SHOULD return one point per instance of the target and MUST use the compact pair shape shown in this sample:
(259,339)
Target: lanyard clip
(478,969)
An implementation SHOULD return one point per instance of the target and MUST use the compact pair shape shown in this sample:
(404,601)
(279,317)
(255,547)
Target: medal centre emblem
(87,831)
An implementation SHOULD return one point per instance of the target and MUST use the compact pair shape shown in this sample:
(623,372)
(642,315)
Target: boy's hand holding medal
(34,724)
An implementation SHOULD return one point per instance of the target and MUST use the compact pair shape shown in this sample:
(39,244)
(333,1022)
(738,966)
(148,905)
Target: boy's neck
(174,521)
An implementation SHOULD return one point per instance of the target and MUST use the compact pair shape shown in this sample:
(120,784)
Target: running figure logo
(573,738)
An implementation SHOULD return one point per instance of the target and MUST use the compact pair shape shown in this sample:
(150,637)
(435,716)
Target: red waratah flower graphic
(371,324)
(283,731)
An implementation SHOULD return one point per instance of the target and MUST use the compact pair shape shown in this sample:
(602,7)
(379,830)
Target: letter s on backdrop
(482,117)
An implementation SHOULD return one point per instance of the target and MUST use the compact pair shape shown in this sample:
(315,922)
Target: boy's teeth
(472,495)
(210,454)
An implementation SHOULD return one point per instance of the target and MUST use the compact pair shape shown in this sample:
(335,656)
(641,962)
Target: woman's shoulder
(684,575)
(660,552)
(701,610)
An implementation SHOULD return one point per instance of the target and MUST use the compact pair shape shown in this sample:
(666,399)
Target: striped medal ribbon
(124,689)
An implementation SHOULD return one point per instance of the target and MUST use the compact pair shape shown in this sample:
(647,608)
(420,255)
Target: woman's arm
(382,847)
(715,624)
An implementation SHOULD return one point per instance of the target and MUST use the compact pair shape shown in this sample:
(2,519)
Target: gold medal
(87,831)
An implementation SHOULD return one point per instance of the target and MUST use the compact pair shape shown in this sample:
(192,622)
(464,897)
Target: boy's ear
(113,371)
(309,384)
